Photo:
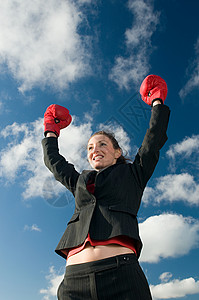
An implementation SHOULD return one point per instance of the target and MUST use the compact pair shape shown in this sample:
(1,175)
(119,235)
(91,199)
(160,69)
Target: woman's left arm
(153,91)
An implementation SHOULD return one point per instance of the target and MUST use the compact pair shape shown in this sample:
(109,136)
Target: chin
(98,168)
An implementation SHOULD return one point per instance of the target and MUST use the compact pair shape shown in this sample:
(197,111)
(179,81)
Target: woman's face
(100,152)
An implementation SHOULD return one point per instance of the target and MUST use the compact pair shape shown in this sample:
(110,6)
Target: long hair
(122,159)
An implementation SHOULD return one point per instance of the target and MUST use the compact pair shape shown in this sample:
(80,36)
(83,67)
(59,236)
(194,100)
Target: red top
(120,240)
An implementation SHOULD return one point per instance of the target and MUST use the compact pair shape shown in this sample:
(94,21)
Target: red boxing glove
(153,88)
(56,117)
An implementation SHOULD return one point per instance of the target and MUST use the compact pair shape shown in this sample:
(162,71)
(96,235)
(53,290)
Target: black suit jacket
(113,208)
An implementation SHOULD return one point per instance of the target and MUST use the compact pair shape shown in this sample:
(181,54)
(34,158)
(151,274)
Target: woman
(101,242)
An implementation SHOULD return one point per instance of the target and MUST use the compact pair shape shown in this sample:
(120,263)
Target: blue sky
(91,57)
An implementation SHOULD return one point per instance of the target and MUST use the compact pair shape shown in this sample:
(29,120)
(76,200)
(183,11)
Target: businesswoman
(101,242)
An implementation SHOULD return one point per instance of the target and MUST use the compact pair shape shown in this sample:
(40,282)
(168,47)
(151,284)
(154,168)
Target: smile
(98,157)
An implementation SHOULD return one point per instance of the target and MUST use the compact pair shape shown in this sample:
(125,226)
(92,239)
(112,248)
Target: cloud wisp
(187,149)
(40,43)
(33,227)
(193,81)
(188,146)
(135,65)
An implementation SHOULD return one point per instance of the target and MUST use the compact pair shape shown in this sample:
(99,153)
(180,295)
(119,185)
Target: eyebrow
(98,142)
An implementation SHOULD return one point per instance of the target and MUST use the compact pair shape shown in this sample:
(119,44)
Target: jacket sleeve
(62,170)
(155,137)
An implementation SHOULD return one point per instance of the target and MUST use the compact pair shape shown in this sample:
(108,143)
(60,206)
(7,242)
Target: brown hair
(122,159)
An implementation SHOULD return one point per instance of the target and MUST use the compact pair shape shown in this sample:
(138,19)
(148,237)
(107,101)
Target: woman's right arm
(62,170)
(57,117)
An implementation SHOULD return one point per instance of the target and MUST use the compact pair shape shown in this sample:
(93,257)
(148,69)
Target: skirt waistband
(99,265)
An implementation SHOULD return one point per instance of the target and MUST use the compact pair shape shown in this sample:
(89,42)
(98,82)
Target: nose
(95,148)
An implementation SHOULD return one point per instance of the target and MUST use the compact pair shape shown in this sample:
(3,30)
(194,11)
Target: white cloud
(23,143)
(168,235)
(23,157)
(33,227)
(40,43)
(172,188)
(175,288)
(193,81)
(135,66)
(54,281)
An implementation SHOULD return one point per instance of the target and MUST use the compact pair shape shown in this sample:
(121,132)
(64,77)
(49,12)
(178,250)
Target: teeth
(96,157)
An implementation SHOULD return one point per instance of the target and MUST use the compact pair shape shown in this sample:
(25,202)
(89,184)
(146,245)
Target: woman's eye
(103,144)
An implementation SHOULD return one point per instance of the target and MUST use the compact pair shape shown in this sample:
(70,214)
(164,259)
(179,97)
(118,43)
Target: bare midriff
(93,253)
